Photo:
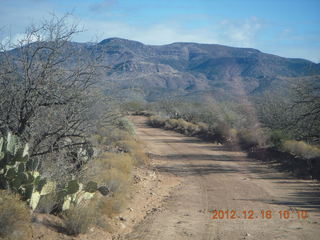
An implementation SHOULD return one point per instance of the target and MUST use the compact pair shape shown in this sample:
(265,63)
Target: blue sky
(289,28)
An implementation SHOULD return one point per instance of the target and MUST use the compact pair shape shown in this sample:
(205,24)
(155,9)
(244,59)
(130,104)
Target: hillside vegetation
(271,127)
(65,148)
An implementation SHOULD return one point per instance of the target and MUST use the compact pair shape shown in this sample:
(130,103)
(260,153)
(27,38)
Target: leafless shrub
(48,96)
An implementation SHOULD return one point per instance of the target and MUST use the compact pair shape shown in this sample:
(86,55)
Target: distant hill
(191,69)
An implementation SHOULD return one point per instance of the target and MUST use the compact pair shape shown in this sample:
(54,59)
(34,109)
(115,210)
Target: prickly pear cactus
(91,187)
(75,194)
(18,172)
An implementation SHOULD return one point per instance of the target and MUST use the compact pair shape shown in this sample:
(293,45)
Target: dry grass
(139,157)
(113,167)
(78,219)
(114,171)
(109,137)
(14,218)
(301,149)
(133,148)
(111,206)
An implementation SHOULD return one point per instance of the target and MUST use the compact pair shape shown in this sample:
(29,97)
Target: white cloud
(242,33)
(235,33)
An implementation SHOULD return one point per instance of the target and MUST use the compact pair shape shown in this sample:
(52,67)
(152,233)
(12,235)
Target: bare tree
(273,110)
(306,108)
(47,91)
(295,111)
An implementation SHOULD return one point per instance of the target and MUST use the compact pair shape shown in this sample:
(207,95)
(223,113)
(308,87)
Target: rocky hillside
(190,69)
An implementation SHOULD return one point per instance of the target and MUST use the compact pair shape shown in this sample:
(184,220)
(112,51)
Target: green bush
(125,125)
(301,149)
(277,138)
(14,218)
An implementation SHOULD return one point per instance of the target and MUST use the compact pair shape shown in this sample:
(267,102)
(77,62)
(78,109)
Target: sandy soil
(214,177)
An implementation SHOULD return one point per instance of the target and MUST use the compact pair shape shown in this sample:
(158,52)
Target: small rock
(122,226)
(136,179)
(248,234)
(130,209)
(122,219)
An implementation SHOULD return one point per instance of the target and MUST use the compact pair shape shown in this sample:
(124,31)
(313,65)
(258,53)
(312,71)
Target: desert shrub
(217,133)
(232,136)
(114,171)
(192,129)
(113,205)
(301,149)
(107,161)
(107,138)
(133,148)
(203,129)
(118,182)
(139,157)
(127,145)
(277,138)
(78,219)
(125,125)
(14,218)
(143,113)
(249,139)
(114,136)
(171,124)
(181,126)
(134,106)
(156,121)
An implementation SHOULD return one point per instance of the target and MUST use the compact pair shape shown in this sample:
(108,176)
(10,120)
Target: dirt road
(214,177)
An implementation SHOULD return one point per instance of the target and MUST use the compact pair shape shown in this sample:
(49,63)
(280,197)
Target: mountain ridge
(151,72)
